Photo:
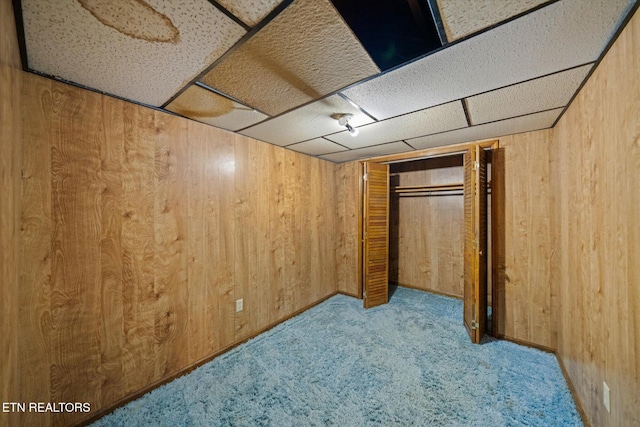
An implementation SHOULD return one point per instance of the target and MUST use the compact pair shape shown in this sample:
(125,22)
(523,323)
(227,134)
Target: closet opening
(439,227)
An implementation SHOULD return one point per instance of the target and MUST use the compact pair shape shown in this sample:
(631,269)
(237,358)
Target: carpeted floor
(409,362)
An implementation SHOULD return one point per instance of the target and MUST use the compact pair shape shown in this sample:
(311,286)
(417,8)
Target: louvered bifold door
(376,234)
(475,243)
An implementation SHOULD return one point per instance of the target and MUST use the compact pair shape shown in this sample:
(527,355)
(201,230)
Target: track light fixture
(343,120)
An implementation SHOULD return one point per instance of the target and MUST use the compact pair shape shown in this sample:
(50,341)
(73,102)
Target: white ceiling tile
(310,121)
(209,107)
(528,123)
(251,12)
(464,17)
(560,36)
(316,147)
(536,95)
(436,119)
(363,153)
(139,51)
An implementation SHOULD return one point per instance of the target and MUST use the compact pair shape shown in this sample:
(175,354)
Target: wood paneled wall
(596,213)
(348,220)
(10,150)
(426,233)
(524,299)
(140,230)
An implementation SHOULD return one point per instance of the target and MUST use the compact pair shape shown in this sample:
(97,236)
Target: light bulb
(353,131)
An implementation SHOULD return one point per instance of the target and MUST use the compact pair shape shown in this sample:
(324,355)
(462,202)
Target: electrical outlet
(239,305)
(606,396)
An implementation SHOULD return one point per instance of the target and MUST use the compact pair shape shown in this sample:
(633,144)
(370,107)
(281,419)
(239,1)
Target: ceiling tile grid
(251,12)
(304,53)
(208,107)
(317,147)
(308,122)
(363,153)
(433,120)
(463,17)
(512,78)
(560,36)
(541,94)
(144,51)
(515,125)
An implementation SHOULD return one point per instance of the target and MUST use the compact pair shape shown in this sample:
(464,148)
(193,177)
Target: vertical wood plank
(76,278)
(170,266)
(524,285)
(111,266)
(11,145)
(138,248)
(36,224)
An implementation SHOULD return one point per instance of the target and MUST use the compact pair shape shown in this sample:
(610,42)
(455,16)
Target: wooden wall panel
(347,176)
(524,289)
(10,160)
(427,232)
(595,160)
(139,231)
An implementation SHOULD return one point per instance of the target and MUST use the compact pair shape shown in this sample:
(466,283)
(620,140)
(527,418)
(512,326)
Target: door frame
(493,146)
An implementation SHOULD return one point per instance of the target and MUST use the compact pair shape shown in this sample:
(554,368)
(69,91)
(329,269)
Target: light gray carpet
(409,362)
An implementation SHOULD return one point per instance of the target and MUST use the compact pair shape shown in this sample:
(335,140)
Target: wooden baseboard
(526,343)
(139,393)
(431,291)
(349,294)
(574,394)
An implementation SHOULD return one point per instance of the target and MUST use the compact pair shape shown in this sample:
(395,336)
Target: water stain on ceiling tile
(251,12)
(306,52)
(134,18)
(464,17)
(208,107)
(145,51)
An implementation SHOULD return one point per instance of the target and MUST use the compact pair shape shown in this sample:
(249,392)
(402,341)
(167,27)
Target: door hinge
(476,165)
(364,294)
(366,176)
(474,324)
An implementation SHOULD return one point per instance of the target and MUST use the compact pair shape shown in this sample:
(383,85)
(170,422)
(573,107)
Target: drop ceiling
(282,71)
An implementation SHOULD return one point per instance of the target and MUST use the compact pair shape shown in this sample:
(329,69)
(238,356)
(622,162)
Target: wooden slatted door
(375,263)
(475,243)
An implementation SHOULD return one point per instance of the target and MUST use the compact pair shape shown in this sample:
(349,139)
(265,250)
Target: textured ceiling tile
(536,95)
(306,52)
(363,153)
(208,107)
(560,36)
(251,12)
(490,130)
(316,147)
(310,121)
(433,120)
(143,51)
(464,17)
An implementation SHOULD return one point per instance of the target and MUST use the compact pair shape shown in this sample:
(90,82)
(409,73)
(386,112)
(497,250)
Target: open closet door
(475,243)
(375,263)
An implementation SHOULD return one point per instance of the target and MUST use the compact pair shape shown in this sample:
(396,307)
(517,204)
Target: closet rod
(430,188)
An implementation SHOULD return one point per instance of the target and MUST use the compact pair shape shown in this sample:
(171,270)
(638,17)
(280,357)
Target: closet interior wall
(427,227)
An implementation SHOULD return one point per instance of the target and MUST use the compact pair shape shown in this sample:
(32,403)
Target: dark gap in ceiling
(392,31)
